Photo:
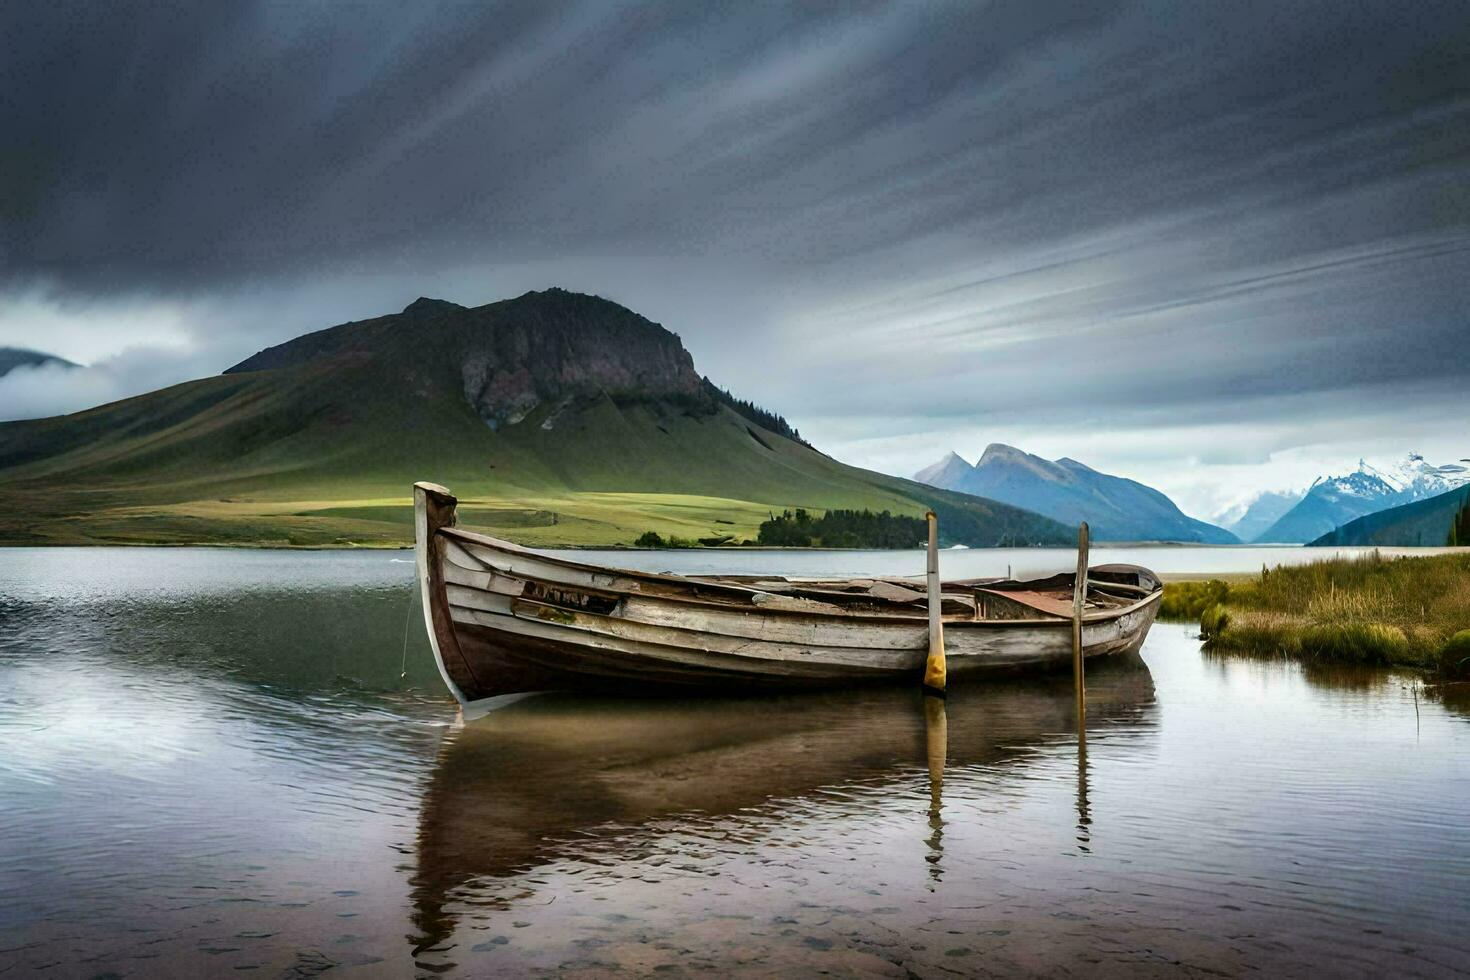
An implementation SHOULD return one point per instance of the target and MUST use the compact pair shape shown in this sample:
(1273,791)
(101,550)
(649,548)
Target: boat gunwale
(847,616)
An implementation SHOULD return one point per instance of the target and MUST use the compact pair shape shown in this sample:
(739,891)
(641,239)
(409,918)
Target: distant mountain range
(557,417)
(1117,509)
(1251,517)
(1335,501)
(15,357)
(569,420)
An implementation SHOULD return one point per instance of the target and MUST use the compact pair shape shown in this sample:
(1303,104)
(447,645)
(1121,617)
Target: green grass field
(565,520)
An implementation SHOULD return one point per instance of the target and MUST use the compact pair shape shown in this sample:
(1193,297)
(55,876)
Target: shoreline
(1168,577)
(1394,611)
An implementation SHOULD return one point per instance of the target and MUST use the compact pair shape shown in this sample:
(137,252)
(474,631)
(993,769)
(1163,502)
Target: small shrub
(1212,622)
(649,539)
(1454,656)
(1360,643)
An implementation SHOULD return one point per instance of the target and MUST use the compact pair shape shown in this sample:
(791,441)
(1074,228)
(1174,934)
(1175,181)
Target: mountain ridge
(24,357)
(1067,490)
(1419,523)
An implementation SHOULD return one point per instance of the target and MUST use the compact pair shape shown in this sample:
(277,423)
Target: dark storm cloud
(936,212)
(173,146)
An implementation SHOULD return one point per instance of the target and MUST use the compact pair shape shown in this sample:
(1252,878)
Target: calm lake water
(209,762)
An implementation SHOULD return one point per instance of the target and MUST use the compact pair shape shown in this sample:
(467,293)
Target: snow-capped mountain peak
(1413,476)
(1420,478)
(1333,501)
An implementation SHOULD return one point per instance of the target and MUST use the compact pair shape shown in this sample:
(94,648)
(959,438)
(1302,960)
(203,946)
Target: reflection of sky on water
(203,768)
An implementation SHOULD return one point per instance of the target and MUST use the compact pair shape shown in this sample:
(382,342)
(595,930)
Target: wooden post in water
(1079,598)
(936,732)
(934,672)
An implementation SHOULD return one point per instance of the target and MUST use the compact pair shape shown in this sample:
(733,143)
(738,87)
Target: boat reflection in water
(559,777)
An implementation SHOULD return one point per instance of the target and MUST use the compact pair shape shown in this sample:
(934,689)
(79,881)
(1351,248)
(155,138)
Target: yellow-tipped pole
(1079,598)
(934,672)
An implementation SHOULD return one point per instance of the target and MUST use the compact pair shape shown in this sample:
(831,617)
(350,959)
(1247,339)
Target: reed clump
(1187,601)
(1365,610)
(1213,620)
(1455,655)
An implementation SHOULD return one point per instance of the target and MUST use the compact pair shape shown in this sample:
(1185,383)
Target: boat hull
(506,620)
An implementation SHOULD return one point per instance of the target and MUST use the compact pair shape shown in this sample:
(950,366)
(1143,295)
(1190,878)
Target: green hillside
(1424,522)
(558,418)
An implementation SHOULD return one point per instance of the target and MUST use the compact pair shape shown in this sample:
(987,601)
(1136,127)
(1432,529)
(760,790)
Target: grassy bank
(338,517)
(1368,610)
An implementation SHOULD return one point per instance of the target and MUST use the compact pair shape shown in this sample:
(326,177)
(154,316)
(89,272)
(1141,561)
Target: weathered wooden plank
(580,638)
(614,626)
(757,625)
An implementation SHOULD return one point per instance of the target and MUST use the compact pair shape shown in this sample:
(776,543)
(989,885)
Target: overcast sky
(1213,246)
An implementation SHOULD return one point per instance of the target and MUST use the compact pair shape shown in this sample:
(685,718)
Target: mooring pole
(1079,599)
(936,731)
(934,672)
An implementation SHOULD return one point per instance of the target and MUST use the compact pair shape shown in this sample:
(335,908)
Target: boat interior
(1108,587)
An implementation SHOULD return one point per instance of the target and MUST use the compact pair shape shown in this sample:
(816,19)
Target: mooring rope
(407,618)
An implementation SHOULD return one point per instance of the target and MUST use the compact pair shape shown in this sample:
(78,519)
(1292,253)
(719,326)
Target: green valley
(558,418)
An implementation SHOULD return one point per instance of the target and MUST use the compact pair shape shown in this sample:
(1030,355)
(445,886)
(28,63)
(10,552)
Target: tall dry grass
(1367,609)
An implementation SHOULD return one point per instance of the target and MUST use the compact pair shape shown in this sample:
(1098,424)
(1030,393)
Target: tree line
(764,418)
(1460,526)
(843,529)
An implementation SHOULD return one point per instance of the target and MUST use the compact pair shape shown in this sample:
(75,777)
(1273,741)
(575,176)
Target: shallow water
(209,762)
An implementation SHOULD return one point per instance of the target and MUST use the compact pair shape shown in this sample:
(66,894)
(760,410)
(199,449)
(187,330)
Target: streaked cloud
(1187,242)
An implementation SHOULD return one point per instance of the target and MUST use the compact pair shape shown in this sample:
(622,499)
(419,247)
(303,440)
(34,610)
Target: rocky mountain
(1334,501)
(557,417)
(514,359)
(15,357)
(1116,508)
(1423,522)
(949,473)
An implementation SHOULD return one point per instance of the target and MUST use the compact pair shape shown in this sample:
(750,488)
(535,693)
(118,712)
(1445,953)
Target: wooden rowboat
(505,620)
